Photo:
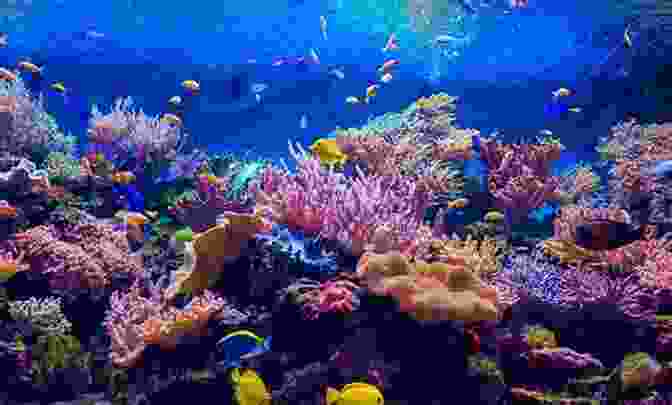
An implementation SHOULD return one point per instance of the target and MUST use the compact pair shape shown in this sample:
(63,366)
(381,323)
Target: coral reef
(123,269)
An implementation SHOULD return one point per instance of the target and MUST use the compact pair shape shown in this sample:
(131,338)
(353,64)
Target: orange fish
(123,177)
(388,65)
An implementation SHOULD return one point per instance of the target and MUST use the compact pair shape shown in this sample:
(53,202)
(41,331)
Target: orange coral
(436,291)
(209,251)
(6,210)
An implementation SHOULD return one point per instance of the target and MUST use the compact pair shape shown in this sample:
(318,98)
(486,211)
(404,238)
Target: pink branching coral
(123,323)
(166,328)
(31,128)
(126,133)
(578,288)
(337,295)
(140,317)
(571,216)
(325,203)
(520,177)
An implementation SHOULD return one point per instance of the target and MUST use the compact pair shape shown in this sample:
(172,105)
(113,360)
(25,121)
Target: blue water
(504,77)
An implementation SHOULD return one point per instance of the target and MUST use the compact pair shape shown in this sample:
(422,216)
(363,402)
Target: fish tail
(332,396)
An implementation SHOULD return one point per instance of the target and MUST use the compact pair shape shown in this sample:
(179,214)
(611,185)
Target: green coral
(56,352)
(61,165)
(541,338)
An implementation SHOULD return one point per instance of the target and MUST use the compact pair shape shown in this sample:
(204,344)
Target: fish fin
(332,396)
(235,375)
(267,343)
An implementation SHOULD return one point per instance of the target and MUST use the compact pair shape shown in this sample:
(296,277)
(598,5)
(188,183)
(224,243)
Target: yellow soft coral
(478,256)
(207,254)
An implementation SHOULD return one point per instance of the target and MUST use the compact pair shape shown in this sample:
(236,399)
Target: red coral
(332,296)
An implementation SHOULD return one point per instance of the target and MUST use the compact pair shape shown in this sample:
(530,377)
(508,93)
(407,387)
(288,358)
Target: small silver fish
(303,123)
(258,87)
(337,73)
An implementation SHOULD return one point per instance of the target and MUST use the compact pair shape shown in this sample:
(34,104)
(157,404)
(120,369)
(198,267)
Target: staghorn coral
(520,174)
(166,328)
(528,276)
(125,133)
(621,291)
(123,322)
(32,131)
(322,202)
(420,143)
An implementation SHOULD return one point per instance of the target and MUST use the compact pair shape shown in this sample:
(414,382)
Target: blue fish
(241,345)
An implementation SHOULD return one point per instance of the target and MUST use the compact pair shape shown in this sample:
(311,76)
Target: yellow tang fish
(494,216)
(172,119)
(191,85)
(371,91)
(249,388)
(355,394)
(328,152)
(30,67)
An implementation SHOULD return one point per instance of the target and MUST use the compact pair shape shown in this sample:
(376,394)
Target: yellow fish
(172,119)
(459,203)
(371,91)
(191,85)
(30,67)
(355,394)
(562,92)
(328,152)
(494,216)
(58,87)
(123,177)
(249,388)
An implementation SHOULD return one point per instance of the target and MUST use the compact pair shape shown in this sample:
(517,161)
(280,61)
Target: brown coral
(436,292)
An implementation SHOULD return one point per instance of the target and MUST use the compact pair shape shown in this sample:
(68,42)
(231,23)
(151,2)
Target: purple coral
(125,133)
(579,288)
(319,201)
(562,357)
(30,128)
